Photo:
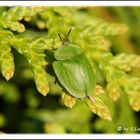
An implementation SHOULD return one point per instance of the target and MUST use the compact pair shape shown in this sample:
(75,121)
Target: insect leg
(91,99)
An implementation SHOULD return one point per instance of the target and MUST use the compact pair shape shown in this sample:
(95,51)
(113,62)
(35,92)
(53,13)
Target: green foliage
(26,33)
(9,92)
(119,116)
(64,119)
(98,107)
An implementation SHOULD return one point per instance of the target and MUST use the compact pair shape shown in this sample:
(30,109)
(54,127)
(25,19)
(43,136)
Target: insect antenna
(60,38)
(66,38)
(68,33)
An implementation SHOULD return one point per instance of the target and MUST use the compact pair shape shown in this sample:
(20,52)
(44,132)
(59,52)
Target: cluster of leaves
(16,32)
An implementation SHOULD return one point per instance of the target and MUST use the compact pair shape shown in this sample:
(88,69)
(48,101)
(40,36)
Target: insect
(73,70)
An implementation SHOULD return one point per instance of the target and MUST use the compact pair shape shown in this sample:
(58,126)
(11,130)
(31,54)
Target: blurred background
(24,110)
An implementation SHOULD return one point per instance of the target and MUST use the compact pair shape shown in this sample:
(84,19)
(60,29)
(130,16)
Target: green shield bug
(73,70)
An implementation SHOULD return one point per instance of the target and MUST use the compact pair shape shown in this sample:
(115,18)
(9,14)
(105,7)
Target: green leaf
(6,60)
(41,81)
(68,99)
(97,106)
(126,62)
